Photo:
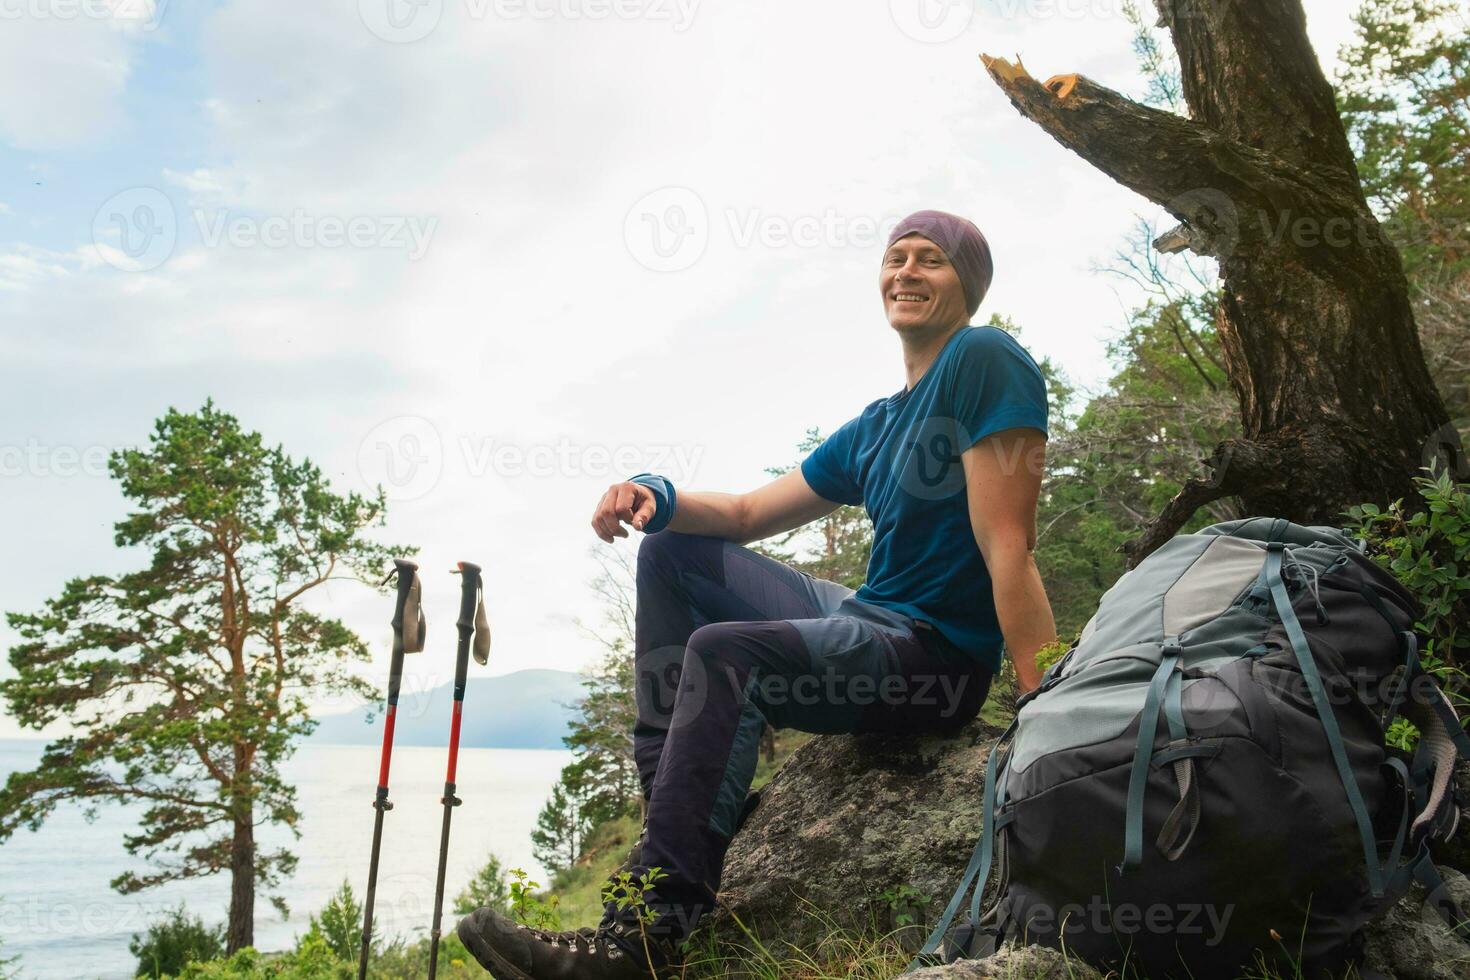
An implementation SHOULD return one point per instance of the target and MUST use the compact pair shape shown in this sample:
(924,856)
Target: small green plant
(904,902)
(1429,552)
(487,888)
(340,924)
(629,893)
(175,941)
(1051,653)
(529,908)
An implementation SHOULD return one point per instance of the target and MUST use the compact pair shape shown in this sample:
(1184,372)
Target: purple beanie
(966,247)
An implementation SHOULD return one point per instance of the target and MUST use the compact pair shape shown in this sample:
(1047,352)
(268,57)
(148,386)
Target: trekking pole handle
(405,571)
(469,597)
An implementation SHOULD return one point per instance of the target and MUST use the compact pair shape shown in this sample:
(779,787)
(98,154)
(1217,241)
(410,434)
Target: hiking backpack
(1201,787)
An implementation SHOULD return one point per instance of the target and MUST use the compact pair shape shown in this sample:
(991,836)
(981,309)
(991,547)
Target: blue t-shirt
(901,459)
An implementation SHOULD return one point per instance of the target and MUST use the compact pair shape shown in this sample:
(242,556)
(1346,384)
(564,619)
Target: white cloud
(63,73)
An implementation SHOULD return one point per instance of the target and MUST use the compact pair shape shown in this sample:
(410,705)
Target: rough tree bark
(1319,338)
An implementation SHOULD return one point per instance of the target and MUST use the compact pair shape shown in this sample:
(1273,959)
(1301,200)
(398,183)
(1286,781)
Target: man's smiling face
(920,286)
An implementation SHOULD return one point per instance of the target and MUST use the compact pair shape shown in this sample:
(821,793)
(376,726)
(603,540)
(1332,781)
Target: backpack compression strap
(1313,679)
(978,870)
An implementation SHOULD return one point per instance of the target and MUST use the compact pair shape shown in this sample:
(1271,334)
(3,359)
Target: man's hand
(624,503)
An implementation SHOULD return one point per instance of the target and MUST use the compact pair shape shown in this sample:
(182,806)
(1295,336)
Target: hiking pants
(728,640)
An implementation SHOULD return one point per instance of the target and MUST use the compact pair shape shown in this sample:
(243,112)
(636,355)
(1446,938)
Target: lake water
(60,917)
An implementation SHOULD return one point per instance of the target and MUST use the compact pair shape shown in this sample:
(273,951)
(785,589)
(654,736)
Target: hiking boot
(511,951)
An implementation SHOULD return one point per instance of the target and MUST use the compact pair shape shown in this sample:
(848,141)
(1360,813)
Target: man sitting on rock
(727,640)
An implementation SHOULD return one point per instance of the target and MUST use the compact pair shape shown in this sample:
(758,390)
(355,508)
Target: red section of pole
(454,741)
(387,746)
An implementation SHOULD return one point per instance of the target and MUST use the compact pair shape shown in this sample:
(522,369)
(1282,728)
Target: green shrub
(1429,552)
(487,888)
(340,924)
(175,941)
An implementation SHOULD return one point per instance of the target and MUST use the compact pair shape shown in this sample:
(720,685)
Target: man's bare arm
(785,503)
(1003,482)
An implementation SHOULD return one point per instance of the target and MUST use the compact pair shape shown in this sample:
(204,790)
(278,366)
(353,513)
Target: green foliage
(600,785)
(487,889)
(1155,59)
(184,685)
(528,907)
(563,822)
(1404,99)
(1114,464)
(1429,552)
(340,924)
(175,941)
(835,547)
(628,893)
(1051,653)
(312,959)
(603,776)
(905,903)
(1404,102)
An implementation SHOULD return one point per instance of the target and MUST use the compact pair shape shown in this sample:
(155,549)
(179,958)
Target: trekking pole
(408,637)
(471,623)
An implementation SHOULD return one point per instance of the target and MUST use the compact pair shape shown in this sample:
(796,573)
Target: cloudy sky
(496,254)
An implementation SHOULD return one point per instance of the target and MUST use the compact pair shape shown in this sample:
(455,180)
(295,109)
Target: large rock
(1411,942)
(871,830)
(1012,963)
(862,827)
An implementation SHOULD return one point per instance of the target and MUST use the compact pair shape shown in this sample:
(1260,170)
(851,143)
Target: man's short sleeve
(995,385)
(828,469)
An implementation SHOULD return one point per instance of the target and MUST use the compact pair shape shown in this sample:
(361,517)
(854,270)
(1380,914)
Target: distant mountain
(529,709)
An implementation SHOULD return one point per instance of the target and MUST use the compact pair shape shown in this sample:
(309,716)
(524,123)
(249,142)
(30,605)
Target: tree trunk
(1315,323)
(241,929)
